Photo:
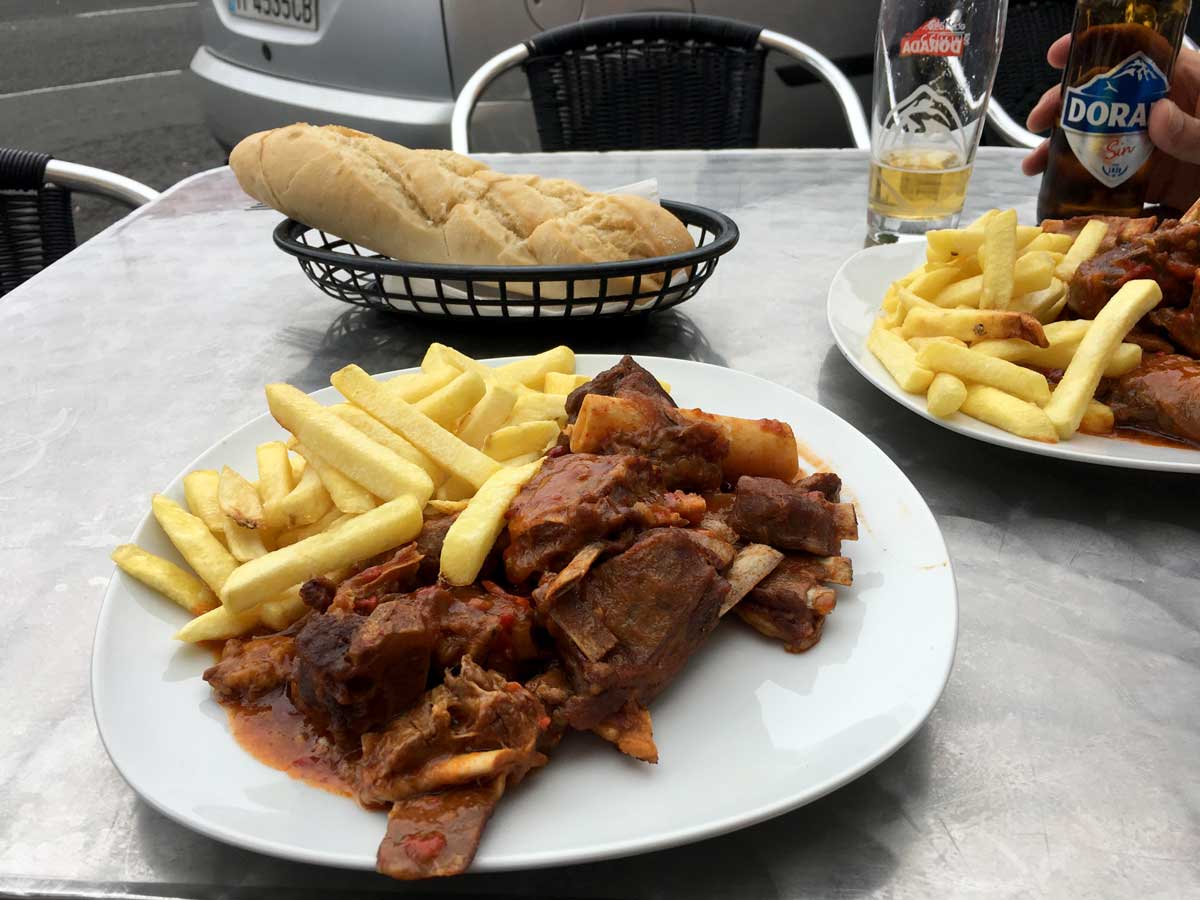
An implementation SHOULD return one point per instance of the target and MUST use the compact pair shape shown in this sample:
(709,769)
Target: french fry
(307,502)
(449,404)
(979,223)
(244,543)
(998,256)
(1032,272)
(1055,243)
(464,363)
(910,301)
(381,434)
(563,383)
(446,507)
(285,609)
(918,342)
(297,463)
(932,283)
(994,406)
(521,460)
(347,495)
(532,370)
(1108,330)
(898,358)
(430,438)
(195,542)
(217,625)
(1061,351)
(384,473)
(383,528)
(979,368)
(165,577)
(945,395)
(1097,419)
(454,489)
(892,312)
(438,358)
(536,407)
(1043,305)
(1084,248)
(474,532)
(488,414)
(200,491)
(416,386)
(275,480)
(944,244)
(973,326)
(324,523)
(239,500)
(954,243)
(516,440)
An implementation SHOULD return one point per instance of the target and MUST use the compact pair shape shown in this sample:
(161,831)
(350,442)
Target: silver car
(394,68)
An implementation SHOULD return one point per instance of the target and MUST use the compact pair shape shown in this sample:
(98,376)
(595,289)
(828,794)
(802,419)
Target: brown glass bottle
(1099,151)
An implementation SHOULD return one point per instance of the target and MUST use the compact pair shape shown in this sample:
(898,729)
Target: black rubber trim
(22,170)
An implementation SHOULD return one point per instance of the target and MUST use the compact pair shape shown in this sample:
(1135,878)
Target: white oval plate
(747,732)
(854,298)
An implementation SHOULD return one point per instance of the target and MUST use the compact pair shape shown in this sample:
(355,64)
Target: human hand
(1174,130)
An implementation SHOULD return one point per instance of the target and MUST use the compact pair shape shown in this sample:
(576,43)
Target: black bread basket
(348,273)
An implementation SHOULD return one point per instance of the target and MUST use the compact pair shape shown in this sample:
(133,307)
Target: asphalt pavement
(105,83)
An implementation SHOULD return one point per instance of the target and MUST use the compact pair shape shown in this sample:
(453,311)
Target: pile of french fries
(356,479)
(970,327)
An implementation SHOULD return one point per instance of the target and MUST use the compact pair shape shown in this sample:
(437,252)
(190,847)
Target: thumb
(1174,132)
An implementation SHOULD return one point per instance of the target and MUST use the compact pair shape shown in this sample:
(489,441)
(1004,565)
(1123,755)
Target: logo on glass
(934,38)
(1105,119)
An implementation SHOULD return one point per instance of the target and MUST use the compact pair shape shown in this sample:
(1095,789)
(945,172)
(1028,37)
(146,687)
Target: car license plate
(296,13)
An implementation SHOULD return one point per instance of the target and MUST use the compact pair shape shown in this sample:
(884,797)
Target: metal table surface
(1061,761)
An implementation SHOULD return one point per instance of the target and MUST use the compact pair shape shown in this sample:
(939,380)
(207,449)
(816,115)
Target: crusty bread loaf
(441,207)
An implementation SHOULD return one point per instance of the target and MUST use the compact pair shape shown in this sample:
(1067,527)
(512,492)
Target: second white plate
(747,732)
(854,297)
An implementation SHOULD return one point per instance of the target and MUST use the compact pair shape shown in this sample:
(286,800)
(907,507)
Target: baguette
(437,206)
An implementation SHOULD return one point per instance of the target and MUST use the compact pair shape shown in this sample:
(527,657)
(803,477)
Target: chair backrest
(650,81)
(1023,74)
(647,81)
(36,222)
(37,225)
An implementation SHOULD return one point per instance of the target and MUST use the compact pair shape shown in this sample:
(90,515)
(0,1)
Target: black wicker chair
(650,81)
(37,226)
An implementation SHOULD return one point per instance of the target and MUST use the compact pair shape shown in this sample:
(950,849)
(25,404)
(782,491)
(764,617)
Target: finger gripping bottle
(1122,52)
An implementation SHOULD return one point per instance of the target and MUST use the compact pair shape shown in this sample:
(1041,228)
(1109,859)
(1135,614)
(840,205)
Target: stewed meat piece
(1169,255)
(827,484)
(625,379)
(486,623)
(626,626)
(443,766)
(1120,229)
(1161,395)
(252,668)
(1183,325)
(572,501)
(790,604)
(770,511)
(429,544)
(360,593)
(687,452)
(354,672)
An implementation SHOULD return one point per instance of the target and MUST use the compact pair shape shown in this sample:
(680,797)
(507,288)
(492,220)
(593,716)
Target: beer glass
(935,61)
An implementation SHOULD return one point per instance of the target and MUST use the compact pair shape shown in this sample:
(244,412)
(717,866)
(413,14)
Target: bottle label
(1105,119)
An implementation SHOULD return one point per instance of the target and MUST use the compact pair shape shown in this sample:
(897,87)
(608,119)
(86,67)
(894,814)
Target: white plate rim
(907,257)
(594,853)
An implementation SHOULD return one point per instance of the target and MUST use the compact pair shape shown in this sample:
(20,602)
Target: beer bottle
(1121,56)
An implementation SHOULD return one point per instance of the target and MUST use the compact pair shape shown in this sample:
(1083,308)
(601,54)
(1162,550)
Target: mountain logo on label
(1105,119)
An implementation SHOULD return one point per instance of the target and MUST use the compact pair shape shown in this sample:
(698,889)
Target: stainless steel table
(1062,760)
